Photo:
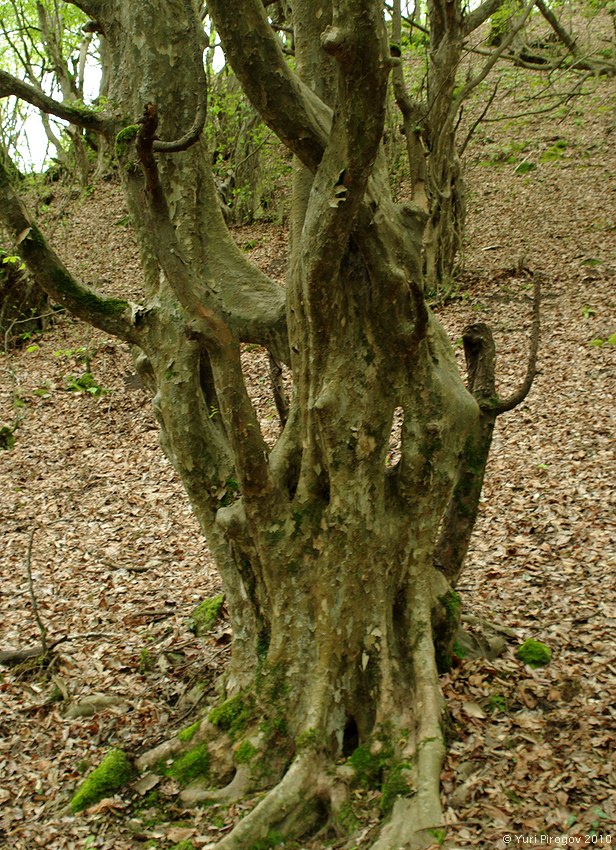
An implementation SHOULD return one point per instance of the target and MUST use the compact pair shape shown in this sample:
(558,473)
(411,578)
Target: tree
(339,571)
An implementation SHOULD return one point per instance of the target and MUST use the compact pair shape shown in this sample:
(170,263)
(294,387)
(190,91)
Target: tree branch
(81,116)
(113,315)
(480,77)
(297,116)
(190,137)
(475,18)
(520,394)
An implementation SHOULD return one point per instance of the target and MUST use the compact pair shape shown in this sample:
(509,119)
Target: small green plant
(599,342)
(146,662)
(534,653)
(85,383)
(588,312)
(525,167)
(7,438)
(497,703)
(113,772)
(555,151)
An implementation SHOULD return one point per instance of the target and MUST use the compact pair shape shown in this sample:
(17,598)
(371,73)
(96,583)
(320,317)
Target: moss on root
(231,716)
(113,772)
(534,653)
(189,732)
(191,765)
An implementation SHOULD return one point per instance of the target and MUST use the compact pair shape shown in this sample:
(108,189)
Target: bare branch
(481,117)
(81,116)
(531,370)
(507,42)
(35,611)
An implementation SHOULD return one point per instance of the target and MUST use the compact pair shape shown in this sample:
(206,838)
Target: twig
(35,610)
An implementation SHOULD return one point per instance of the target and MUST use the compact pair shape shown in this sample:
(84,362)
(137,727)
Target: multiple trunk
(337,583)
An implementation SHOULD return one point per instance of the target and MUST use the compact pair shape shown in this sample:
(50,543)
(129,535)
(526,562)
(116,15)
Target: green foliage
(534,653)
(439,834)
(555,151)
(231,716)
(525,167)
(194,764)
(85,383)
(113,772)
(497,703)
(205,614)
(186,844)
(145,661)
(599,342)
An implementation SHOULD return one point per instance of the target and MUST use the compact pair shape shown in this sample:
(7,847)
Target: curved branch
(297,116)
(81,116)
(191,136)
(519,395)
(113,315)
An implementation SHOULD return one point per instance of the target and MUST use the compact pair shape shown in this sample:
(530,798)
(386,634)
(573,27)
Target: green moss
(113,772)
(244,753)
(124,139)
(184,845)
(534,653)
(231,716)
(309,740)
(273,839)
(395,784)
(370,766)
(458,650)
(191,765)
(452,604)
(205,614)
(189,733)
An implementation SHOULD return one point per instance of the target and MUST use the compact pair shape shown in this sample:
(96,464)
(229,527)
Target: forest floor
(117,563)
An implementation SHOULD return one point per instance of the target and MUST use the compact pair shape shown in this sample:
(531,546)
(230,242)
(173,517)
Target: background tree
(45,46)
(339,570)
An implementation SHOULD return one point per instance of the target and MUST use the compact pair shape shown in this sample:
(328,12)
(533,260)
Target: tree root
(284,808)
(235,790)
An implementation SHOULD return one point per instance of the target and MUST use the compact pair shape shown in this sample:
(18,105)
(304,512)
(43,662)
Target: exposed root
(235,790)
(284,808)
(166,750)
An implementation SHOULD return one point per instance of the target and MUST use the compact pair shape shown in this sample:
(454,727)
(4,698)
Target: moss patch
(244,753)
(205,614)
(195,764)
(113,772)
(231,716)
(189,733)
(534,653)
